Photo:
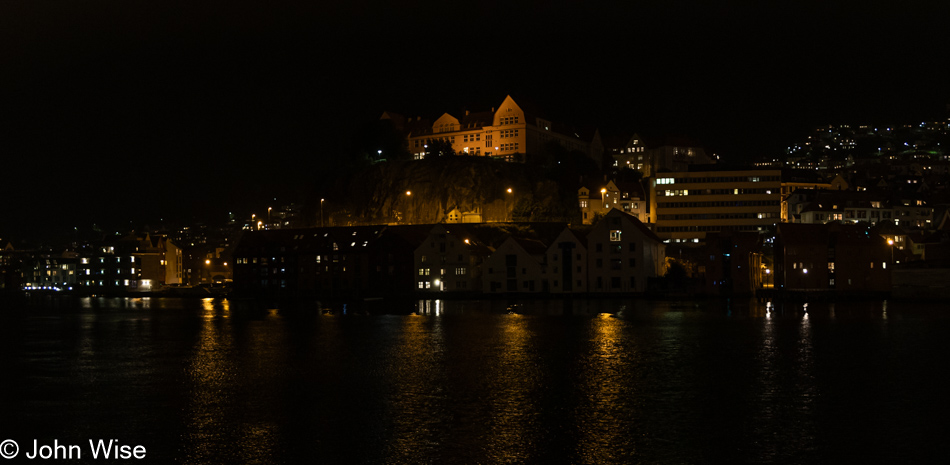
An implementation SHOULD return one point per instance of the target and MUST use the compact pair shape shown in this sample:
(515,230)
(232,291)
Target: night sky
(130,111)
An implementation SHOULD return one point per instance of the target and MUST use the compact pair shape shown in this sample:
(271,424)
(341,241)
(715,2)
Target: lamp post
(321,212)
(508,205)
(603,198)
(408,205)
(890,243)
(768,274)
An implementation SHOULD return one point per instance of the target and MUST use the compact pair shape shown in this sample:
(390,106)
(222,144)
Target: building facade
(626,197)
(506,133)
(666,155)
(831,257)
(623,254)
(685,205)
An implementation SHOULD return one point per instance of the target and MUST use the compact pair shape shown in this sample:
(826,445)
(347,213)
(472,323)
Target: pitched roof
(635,221)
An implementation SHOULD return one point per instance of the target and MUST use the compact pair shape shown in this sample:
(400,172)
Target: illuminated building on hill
(508,133)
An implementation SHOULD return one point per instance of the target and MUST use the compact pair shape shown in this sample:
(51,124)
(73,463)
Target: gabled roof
(632,219)
(531,246)
(572,233)
(477,120)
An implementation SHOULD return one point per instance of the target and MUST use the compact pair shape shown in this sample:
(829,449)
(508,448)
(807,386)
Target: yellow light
(509,190)
(408,192)
(466,241)
(207,262)
(603,191)
(890,242)
(225,263)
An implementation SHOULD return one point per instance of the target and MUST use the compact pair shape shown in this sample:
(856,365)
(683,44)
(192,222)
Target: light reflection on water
(608,407)
(439,381)
(513,381)
(416,397)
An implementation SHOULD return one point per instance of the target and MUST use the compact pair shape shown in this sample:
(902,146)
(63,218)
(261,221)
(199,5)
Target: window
(615,235)
(460,271)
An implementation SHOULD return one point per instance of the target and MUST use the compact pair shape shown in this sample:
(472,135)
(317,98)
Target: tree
(439,148)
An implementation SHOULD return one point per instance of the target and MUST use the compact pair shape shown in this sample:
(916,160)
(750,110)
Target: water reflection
(115,303)
(416,402)
(223,366)
(431,307)
(514,381)
(660,382)
(609,404)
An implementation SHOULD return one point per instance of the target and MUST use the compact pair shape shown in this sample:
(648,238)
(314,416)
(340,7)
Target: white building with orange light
(626,197)
(506,133)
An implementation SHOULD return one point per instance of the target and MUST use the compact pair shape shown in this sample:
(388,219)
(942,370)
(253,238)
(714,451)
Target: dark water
(633,381)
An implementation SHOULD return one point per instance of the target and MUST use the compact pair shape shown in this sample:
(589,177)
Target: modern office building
(685,205)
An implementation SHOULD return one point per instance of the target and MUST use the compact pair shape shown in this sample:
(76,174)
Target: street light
(321,212)
(507,206)
(603,197)
(890,242)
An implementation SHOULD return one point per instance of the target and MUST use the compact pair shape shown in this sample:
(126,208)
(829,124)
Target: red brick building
(831,257)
